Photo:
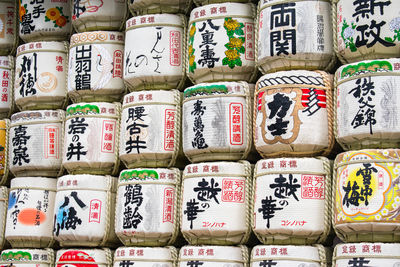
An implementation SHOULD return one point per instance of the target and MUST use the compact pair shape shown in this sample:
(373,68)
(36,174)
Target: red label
(108,136)
(249,31)
(236,123)
(169,130)
(95,211)
(312,187)
(313,96)
(168,211)
(117,72)
(51,142)
(175,48)
(233,190)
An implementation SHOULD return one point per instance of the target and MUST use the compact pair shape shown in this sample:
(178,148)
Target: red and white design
(5,85)
(117,63)
(51,142)
(236,123)
(74,256)
(169,130)
(249,43)
(59,66)
(175,48)
(168,211)
(312,96)
(95,211)
(233,190)
(108,136)
(312,187)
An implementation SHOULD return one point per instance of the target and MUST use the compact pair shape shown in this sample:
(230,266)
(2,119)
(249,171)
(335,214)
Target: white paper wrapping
(294,35)
(91,138)
(366,104)
(365,31)
(293,114)
(84,210)
(147,206)
(98,15)
(38,85)
(156,62)
(217,121)
(3,212)
(146,256)
(81,257)
(288,256)
(150,134)
(95,66)
(27,257)
(141,7)
(44,20)
(7,65)
(367,254)
(35,142)
(29,220)
(221,42)
(8,29)
(284,188)
(216,203)
(214,256)
(367,196)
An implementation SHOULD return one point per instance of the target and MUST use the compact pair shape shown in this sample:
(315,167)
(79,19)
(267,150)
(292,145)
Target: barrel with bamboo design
(27,257)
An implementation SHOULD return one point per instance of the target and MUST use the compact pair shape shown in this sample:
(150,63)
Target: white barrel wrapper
(81,257)
(147,206)
(215,201)
(293,114)
(91,138)
(214,256)
(95,66)
(157,61)
(366,254)
(35,142)
(366,104)
(41,75)
(366,204)
(27,257)
(98,15)
(289,256)
(146,256)
(284,188)
(84,210)
(141,7)
(3,212)
(7,65)
(217,121)
(294,35)
(9,30)
(366,30)
(44,20)
(30,212)
(221,43)
(150,134)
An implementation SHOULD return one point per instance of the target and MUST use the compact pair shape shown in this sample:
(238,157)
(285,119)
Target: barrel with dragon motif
(366,204)
(142,7)
(81,257)
(84,210)
(146,256)
(29,220)
(366,104)
(91,138)
(44,20)
(148,206)
(95,66)
(221,43)
(7,65)
(214,256)
(20,257)
(8,27)
(157,60)
(3,211)
(108,15)
(366,30)
(293,114)
(35,143)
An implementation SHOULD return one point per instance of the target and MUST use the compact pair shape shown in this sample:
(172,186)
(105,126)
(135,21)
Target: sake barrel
(36,139)
(147,207)
(27,257)
(367,254)
(84,210)
(294,35)
(366,104)
(207,2)
(98,15)
(156,61)
(366,30)
(217,121)
(29,220)
(91,138)
(4,148)
(221,43)
(3,212)
(95,66)
(41,76)
(214,256)
(215,207)
(81,257)
(7,85)
(142,7)
(283,189)
(9,28)
(150,134)
(289,256)
(44,20)
(146,256)
(293,114)
(367,199)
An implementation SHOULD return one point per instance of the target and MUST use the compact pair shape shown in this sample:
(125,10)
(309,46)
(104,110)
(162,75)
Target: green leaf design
(231,64)
(239,31)
(241,50)
(46,19)
(390,40)
(228,46)
(225,61)
(238,62)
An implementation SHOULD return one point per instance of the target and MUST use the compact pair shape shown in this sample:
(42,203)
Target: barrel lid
(212,253)
(275,252)
(37,116)
(154,20)
(144,254)
(151,97)
(87,182)
(222,10)
(42,46)
(295,165)
(216,169)
(97,37)
(34,182)
(84,256)
(149,175)
(94,108)
(30,256)
(217,89)
(368,250)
